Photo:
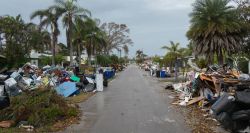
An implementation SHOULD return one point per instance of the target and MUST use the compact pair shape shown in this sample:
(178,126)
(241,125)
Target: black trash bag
(80,85)
(4,102)
(225,120)
(158,74)
(239,125)
(241,115)
(242,87)
(243,97)
(105,82)
(169,87)
(224,104)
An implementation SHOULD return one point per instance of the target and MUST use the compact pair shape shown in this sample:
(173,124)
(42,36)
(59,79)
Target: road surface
(133,103)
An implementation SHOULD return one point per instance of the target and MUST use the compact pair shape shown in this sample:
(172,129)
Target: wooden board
(195,100)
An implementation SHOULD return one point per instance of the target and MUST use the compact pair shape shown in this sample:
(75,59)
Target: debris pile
(36,96)
(222,90)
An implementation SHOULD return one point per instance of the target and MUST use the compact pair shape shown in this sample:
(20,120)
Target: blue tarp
(66,89)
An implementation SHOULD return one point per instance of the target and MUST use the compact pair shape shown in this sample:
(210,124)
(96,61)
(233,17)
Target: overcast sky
(153,23)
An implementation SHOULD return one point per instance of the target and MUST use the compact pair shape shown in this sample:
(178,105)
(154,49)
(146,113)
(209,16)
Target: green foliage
(69,11)
(46,60)
(243,66)
(103,60)
(114,59)
(201,63)
(215,29)
(15,32)
(140,56)
(21,38)
(122,60)
(72,112)
(157,59)
(39,108)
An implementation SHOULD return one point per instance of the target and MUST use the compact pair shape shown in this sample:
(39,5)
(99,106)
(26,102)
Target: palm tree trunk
(69,39)
(53,44)
(220,58)
(89,59)
(79,53)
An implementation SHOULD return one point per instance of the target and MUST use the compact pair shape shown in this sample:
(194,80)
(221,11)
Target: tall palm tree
(173,49)
(39,40)
(95,38)
(140,56)
(125,49)
(173,52)
(215,29)
(49,17)
(70,10)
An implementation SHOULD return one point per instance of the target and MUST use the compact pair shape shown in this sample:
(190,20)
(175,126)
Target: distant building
(34,57)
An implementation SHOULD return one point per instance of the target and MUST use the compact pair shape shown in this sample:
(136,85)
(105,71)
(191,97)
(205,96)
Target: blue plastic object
(66,89)
(163,74)
(109,74)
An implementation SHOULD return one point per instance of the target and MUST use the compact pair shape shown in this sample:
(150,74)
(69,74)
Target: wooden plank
(195,100)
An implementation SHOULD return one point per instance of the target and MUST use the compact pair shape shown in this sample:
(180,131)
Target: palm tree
(125,49)
(88,35)
(173,49)
(39,40)
(95,37)
(215,29)
(173,52)
(140,56)
(69,10)
(49,17)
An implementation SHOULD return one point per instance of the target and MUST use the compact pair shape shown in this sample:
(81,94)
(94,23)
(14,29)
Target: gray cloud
(153,23)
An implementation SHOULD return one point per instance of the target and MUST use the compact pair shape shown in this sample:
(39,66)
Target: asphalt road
(133,103)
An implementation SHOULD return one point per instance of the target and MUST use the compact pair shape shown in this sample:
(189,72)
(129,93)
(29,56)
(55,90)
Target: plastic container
(75,78)
(163,74)
(99,82)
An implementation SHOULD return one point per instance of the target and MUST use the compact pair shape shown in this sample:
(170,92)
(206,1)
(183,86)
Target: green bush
(39,108)
(201,63)
(103,60)
(243,66)
(72,112)
(114,59)
(45,60)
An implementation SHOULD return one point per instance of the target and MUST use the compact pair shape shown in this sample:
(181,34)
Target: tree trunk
(220,58)
(69,39)
(89,60)
(79,54)
(53,41)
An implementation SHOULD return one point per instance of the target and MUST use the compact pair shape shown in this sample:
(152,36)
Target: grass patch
(80,98)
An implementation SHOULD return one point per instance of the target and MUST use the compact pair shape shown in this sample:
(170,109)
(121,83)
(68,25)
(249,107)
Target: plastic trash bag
(244,77)
(241,115)
(10,82)
(224,104)
(225,120)
(243,97)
